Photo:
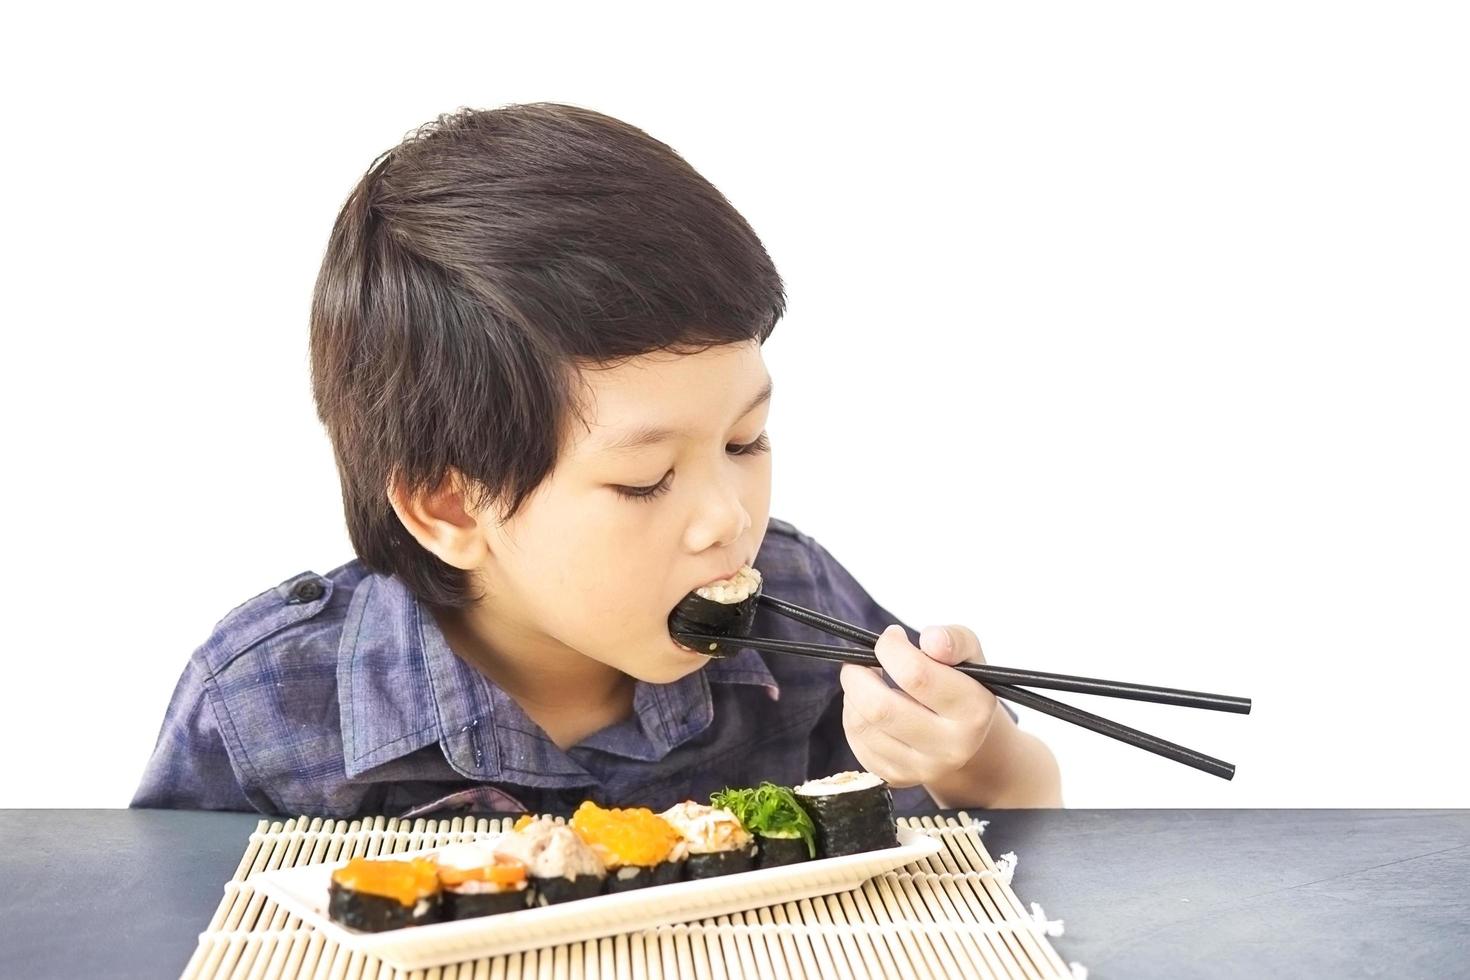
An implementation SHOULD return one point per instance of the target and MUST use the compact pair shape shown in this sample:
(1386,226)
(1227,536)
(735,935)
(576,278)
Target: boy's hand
(935,723)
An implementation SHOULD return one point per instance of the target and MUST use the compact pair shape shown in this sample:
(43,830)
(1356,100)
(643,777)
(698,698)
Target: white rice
(466,856)
(842,782)
(733,589)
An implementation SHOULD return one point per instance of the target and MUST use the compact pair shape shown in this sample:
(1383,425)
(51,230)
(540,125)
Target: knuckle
(915,680)
(879,714)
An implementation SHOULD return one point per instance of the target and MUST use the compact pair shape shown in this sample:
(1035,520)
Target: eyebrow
(651,435)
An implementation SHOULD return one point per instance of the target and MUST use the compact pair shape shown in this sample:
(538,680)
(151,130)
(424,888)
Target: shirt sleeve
(190,767)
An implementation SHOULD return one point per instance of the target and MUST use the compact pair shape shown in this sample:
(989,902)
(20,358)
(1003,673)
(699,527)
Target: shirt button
(309,590)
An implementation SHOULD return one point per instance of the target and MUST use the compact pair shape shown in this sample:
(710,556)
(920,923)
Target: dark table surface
(1144,893)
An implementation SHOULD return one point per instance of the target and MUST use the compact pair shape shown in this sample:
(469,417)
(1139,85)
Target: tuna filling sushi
(725,608)
(718,844)
(852,812)
(476,880)
(783,830)
(374,896)
(638,847)
(562,867)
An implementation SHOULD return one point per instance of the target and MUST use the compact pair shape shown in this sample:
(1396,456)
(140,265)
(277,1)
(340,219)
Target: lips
(728,575)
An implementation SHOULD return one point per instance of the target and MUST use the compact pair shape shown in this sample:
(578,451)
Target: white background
(1133,336)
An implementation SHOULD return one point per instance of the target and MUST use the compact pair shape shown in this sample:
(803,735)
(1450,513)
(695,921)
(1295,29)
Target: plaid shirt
(336,695)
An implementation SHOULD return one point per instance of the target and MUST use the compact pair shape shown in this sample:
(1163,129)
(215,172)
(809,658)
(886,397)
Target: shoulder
(302,614)
(270,669)
(269,678)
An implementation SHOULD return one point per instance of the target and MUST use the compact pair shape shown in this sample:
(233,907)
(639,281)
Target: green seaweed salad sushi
(783,830)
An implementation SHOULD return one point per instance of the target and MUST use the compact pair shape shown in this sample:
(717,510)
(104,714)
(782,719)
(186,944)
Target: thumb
(950,645)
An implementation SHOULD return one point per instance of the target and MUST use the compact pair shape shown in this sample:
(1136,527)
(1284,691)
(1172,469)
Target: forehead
(691,394)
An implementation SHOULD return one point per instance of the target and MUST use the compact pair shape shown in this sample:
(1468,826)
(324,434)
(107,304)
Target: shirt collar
(401,688)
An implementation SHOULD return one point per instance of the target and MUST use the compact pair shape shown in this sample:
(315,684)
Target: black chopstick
(1004,683)
(1030,699)
(1014,675)
(1021,696)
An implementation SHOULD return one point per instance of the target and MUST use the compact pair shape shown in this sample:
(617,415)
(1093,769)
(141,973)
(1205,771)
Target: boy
(536,347)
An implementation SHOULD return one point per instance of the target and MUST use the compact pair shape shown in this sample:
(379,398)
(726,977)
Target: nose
(721,521)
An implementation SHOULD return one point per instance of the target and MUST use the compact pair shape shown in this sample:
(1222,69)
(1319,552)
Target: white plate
(303,891)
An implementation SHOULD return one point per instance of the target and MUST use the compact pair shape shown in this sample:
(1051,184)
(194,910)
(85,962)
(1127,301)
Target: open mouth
(720,609)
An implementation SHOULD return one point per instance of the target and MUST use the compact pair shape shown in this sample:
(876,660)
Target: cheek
(598,591)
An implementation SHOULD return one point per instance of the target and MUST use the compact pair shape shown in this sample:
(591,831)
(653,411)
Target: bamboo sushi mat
(950,915)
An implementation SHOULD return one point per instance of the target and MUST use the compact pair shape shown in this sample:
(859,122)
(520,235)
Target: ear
(441,521)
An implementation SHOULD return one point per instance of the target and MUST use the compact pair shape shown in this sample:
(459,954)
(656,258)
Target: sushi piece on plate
(718,844)
(852,813)
(783,830)
(373,896)
(477,880)
(638,847)
(561,865)
(723,608)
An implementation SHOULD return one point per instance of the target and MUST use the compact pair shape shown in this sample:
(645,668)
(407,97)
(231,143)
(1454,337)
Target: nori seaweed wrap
(724,608)
(852,813)
(775,850)
(563,868)
(374,896)
(627,877)
(783,830)
(718,844)
(638,846)
(477,880)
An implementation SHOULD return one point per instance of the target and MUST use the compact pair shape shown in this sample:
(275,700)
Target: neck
(542,674)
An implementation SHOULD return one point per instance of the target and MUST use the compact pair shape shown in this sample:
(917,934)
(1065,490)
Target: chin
(664,672)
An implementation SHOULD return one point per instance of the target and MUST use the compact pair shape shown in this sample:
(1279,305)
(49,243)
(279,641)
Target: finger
(938,687)
(899,765)
(880,707)
(943,743)
(951,644)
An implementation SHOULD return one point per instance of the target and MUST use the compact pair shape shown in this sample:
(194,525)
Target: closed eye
(646,493)
(761,445)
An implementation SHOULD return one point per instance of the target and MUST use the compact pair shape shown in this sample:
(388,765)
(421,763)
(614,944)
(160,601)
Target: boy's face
(585,565)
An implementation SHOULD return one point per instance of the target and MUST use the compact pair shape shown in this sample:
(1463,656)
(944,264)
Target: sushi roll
(375,895)
(717,843)
(723,608)
(783,830)
(852,812)
(562,867)
(477,880)
(638,847)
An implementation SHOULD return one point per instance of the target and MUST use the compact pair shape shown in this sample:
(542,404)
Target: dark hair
(473,269)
